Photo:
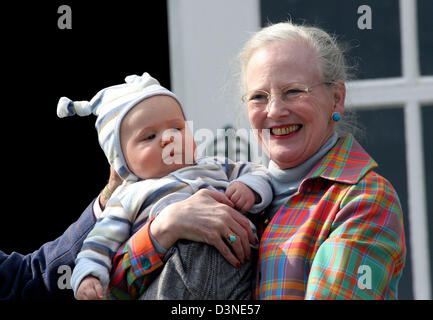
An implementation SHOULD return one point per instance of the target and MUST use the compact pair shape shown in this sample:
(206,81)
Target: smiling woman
(328,211)
(308,111)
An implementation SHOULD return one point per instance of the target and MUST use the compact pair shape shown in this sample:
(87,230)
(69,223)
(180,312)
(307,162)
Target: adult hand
(207,216)
(113,182)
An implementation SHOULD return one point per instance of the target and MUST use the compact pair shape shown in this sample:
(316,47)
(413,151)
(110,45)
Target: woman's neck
(285,182)
(300,171)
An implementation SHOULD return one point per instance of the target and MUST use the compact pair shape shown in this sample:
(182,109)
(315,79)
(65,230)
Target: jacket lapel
(347,162)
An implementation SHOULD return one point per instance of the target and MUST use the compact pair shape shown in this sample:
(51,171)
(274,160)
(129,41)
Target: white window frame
(411,91)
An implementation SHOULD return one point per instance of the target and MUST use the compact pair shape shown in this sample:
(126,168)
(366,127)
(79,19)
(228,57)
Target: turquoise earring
(336,116)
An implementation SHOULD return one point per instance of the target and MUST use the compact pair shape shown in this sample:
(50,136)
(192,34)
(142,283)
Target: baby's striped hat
(110,105)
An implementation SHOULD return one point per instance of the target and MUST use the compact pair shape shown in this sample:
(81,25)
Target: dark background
(53,168)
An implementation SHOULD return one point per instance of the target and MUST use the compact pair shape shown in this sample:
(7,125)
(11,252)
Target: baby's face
(153,136)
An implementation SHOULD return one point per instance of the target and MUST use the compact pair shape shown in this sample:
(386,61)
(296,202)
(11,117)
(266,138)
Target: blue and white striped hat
(110,105)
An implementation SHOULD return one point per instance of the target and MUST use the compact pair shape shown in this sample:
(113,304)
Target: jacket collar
(346,162)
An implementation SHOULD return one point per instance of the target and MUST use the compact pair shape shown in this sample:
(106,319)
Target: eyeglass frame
(307,90)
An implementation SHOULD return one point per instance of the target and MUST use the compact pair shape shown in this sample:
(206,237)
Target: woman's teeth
(285,130)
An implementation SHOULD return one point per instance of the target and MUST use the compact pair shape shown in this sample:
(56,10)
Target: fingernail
(238,264)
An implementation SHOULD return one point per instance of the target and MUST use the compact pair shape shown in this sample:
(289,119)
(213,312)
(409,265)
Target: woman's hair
(332,63)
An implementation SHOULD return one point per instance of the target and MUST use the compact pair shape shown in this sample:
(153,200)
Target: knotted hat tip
(66,108)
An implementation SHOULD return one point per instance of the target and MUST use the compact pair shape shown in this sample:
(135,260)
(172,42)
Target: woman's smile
(285,131)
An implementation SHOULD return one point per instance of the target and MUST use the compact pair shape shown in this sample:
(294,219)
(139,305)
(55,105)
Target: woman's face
(299,127)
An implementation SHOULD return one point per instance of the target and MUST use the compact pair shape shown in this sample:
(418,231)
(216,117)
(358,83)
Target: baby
(142,130)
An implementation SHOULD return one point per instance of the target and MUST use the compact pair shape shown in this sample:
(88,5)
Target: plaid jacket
(339,237)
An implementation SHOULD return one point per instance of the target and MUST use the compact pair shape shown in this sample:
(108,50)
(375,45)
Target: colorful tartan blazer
(340,236)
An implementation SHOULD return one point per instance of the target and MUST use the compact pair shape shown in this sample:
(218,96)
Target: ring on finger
(230,237)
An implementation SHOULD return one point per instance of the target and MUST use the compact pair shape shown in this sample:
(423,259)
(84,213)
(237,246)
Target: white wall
(205,38)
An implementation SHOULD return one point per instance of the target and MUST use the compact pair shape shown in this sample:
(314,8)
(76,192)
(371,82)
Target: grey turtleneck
(285,182)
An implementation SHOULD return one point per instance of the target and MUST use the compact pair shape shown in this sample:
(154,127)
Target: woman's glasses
(288,95)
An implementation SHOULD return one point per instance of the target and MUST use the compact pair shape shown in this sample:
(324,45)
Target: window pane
(425,36)
(427,117)
(384,140)
(375,51)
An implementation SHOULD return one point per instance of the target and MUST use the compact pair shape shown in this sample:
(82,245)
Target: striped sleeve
(109,233)
(134,266)
(365,252)
(100,245)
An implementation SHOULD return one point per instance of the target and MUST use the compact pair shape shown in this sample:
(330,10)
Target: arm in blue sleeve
(36,276)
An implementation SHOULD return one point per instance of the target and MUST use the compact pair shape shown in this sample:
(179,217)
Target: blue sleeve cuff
(86,267)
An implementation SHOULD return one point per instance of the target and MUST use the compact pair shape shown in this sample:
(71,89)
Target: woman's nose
(277,108)
(165,141)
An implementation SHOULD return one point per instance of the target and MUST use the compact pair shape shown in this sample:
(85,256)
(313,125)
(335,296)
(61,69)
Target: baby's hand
(90,289)
(242,196)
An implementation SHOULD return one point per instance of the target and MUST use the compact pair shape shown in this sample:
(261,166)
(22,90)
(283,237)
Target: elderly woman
(333,219)
(334,229)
